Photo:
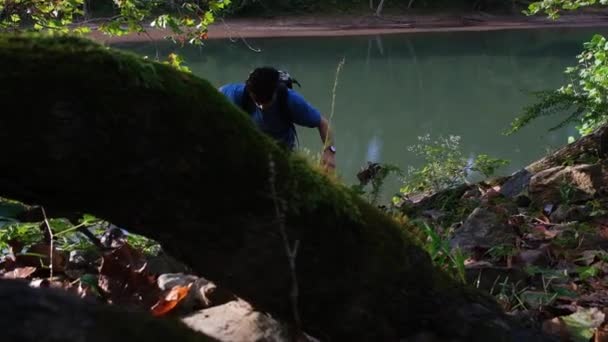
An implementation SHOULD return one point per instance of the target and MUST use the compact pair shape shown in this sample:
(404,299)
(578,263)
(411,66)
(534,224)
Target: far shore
(353,25)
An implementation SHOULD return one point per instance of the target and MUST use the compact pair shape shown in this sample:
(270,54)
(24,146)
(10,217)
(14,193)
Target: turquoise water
(394,88)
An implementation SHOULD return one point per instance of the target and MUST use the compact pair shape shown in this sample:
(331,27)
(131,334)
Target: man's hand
(328,160)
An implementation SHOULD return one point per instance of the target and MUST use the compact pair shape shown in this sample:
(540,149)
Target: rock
(532,257)
(169,280)
(473,193)
(562,184)
(433,214)
(50,314)
(237,321)
(82,259)
(567,213)
(588,257)
(484,228)
(516,184)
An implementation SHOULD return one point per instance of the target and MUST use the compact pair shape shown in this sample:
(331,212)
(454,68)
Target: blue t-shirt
(270,121)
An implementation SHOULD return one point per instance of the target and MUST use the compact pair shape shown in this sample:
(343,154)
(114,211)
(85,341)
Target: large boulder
(51,315)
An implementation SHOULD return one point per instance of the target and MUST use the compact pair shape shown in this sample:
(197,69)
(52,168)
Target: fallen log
(162,153)
(593,146)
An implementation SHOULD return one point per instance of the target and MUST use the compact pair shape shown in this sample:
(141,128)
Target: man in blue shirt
(276,108)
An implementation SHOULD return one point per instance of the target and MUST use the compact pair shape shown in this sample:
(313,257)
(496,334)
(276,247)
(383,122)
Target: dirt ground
(349,25)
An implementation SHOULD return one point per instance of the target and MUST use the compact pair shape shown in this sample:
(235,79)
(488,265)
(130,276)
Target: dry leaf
(601,334)
(39,253)
(20,273)
(123,277)
(170,300)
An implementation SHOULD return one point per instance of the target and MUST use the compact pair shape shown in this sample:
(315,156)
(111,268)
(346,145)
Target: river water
(394,88)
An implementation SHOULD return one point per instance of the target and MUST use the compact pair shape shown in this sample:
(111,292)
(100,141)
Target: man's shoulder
(232,87)
(296,99)
(233,91)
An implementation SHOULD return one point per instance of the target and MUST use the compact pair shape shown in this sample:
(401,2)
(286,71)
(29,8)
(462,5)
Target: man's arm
(306,115)
(328,158)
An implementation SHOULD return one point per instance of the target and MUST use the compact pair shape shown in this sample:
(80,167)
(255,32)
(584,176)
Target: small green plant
(373,177)
(25,233)
(445,166)
(566,192)
(503,251)
(176,61)
(586,272)
(65,233)
(583,100)
(597,208)
(438,248)
(144,244)
(487,165)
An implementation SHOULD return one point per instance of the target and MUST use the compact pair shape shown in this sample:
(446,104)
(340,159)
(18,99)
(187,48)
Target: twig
(291,252)
(48,227)
(241,37)
(333,103)
(93,20)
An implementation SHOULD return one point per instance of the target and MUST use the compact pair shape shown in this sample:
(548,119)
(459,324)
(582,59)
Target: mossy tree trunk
(162,153)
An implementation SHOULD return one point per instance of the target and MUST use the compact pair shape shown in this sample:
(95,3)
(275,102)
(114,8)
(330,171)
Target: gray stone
(567,213)
(484,228)
(237,321)
(516,184)
(532,257)
(562,184)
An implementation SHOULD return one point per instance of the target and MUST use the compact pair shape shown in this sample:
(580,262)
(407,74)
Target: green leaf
(582,323)
(586,272)
(82,30)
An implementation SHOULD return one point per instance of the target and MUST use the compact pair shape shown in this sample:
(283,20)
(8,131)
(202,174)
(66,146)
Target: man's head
(262,85)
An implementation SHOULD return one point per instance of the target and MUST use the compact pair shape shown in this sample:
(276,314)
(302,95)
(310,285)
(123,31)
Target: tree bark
(164,154)
(592,146)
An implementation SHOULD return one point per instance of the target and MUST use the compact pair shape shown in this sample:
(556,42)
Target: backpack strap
(282,94)
(246,103)
(285,112)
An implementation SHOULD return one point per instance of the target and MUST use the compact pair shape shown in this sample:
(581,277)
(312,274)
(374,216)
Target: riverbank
(353,25)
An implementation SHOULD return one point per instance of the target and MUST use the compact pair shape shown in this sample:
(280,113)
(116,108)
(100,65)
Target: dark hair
(263,82)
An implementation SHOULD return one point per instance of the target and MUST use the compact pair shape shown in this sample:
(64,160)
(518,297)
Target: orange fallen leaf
(170,300)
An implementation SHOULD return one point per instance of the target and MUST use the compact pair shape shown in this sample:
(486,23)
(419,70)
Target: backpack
(285,82)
